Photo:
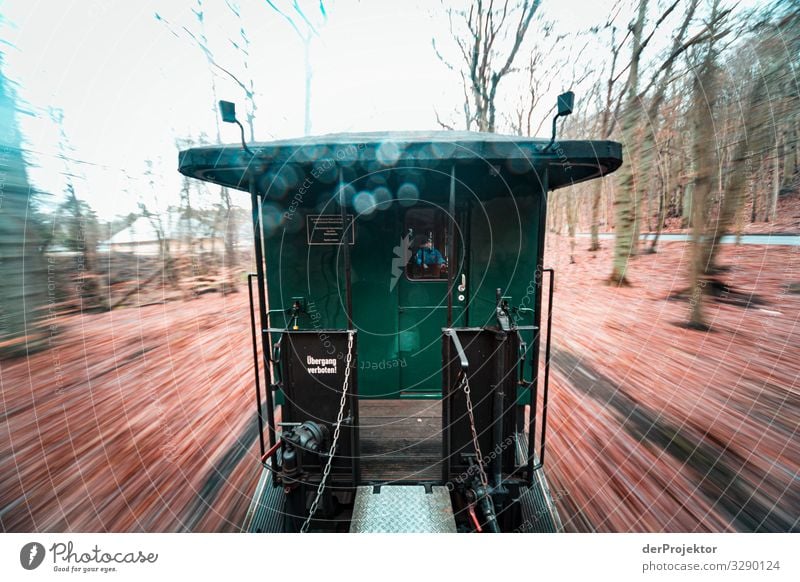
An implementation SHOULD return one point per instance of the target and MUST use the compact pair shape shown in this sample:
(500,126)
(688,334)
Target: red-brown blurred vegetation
(142,418)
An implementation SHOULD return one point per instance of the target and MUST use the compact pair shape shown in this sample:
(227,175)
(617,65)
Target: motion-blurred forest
(140,322)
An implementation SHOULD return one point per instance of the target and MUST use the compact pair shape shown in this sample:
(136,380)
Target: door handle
(463,286)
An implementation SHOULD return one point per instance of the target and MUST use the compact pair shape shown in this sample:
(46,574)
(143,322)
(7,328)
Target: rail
(545,394)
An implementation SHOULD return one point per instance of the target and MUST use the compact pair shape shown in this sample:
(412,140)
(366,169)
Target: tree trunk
(230,251)
(790,158)
(733,200)
(572,219)
(700,197)
(686,207)
(625,203)
(776,184)
(595,228)
(697,282)
(662,202)
(754,190)
(648,211)
(704,101)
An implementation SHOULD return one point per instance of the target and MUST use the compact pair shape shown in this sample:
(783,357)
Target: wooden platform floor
(401,440)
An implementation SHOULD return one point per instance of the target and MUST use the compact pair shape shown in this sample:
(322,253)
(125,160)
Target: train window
(426,229)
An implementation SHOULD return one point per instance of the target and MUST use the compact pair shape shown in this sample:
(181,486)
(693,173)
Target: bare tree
(634,177)
(625,202)
(661,80)
(78,224)
(242,45)
(771,101)
(609,113)
(306,31)
(479,33)
(705,93)
(537,84)
(571,204)
(169,271)
(201,42)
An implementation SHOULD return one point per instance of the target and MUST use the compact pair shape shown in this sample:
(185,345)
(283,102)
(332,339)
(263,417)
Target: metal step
(402,509)
(539,513)
(401,441)
(266,511)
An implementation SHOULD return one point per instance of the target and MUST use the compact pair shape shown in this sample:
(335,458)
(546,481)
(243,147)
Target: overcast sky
(129,87)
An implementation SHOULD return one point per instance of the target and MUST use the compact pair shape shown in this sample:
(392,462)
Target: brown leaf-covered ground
(656,427)
(141,419)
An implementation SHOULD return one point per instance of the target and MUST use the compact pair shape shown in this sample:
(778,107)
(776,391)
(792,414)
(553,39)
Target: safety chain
(481,472)
(336,431)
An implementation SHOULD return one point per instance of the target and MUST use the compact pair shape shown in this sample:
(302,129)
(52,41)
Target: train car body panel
(401,267)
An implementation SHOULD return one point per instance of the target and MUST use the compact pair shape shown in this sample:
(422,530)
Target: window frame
(439,214)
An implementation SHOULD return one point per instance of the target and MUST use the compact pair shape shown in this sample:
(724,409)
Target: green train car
(397,325)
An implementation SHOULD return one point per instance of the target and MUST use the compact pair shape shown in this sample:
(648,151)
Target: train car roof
(568,162)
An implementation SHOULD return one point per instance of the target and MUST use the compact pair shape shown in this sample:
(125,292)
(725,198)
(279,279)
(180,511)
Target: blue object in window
(429,256)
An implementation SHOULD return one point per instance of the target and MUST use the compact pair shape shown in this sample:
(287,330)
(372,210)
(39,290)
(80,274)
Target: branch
(439,55)
(209,55)
(441,123)
(647,40)
(467,113)
(678,47)
(286,16)
(522,27)
(658,23)
(312,29)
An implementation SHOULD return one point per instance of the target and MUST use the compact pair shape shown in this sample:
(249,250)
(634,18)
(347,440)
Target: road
(748,239)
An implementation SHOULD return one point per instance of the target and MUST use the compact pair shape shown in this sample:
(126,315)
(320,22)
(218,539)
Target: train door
(422,297)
